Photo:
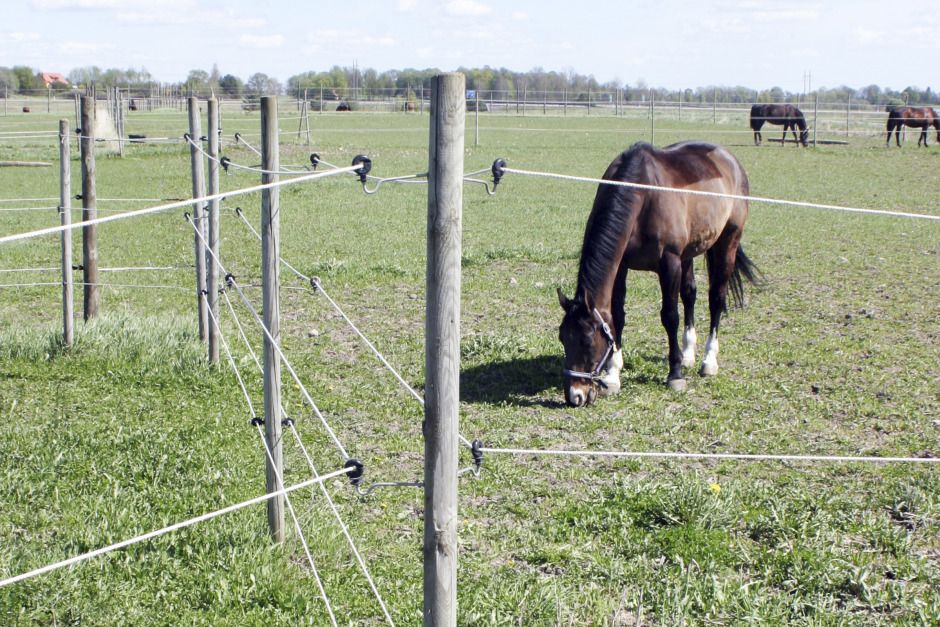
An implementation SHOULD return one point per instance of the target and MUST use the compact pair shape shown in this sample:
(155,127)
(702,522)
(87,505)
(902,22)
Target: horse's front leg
(611,375)
(688,292)
(670,278)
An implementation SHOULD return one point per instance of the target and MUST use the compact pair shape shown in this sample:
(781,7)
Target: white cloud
(406,6)
(262,41)
(18,38)
(468,8)
(85,5)
(520,16)
(79,47)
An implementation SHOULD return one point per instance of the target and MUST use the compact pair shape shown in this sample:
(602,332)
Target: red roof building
(51,78)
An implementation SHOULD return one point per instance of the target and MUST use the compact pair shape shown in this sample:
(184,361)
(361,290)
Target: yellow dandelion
(715,488)
(384,505)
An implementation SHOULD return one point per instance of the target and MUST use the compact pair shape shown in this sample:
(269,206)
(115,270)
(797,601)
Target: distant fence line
(850,118)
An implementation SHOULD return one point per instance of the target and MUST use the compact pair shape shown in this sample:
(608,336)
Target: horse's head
(588,343)
(804,137)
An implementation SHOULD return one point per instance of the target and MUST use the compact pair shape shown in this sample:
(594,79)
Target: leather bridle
(595,377)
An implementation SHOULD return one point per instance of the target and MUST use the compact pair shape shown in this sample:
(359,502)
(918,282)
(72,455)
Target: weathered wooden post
(65,214)
(566,101)
(212,278)
(815,118)
(271,305)
(199,214)
(848,110)
(89,210)
(652,118)
(476,96)
(442,348)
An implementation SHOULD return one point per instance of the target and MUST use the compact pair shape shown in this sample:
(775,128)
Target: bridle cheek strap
(595,377)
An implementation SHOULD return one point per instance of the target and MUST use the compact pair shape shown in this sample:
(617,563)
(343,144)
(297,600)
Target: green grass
(131,430)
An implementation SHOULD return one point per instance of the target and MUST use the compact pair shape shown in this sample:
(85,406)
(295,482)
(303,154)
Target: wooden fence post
(65,212)
(815,118)
(212,276)
(442,348)
(89,210)
(652,118)
(271,305)
(199,214)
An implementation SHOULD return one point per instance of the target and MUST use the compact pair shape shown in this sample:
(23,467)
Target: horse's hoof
(709,370)
(677,385)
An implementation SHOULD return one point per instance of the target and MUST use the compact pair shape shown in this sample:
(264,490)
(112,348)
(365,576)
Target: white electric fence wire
(303,540)
(12,209)
(326,494)
(240,138)
(176,205)
(694,192)
(275,344)
(345,317)
(355,329)
(342,525)
(231,164)
(231,359)
(114,286)
(171,528)
(713,456)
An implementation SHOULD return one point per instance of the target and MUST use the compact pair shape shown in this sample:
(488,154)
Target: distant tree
(232,86)
(260,84)
(8,81)
(28,78)
(198,81)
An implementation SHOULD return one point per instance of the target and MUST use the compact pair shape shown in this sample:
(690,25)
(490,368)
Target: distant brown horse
(784,115)
(633,228)
(915,118)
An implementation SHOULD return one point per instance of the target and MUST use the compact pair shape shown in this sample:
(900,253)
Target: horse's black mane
(613,206)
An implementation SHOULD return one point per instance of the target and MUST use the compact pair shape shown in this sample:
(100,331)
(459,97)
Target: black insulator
(230,279)
(288,422)
(257,422)
(225,162)
(498,171)
(475,447)
(315,160)
(355,476)
(366,166)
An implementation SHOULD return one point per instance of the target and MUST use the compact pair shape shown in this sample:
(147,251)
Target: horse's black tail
(743,267)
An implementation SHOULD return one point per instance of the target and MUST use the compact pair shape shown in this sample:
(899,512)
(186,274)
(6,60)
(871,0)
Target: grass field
(130,430)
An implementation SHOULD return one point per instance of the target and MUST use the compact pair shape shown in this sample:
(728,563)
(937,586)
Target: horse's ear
(588,300)
(563,300)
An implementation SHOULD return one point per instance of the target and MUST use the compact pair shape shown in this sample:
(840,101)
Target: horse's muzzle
(579,394)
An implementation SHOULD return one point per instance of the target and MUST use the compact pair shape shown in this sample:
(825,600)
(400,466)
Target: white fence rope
(693,192)
(159,532)
(176,205)
(713,456)
(326,494)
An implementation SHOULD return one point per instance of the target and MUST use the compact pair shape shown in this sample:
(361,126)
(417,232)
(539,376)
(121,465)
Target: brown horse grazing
(786,115)
(660,231)
(915,118)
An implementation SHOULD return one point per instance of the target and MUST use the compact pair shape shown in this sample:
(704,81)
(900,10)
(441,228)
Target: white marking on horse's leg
(689,340)
(611,377)
(710,363)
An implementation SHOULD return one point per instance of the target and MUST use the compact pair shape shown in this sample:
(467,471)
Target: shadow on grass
(524,382)
(537,381)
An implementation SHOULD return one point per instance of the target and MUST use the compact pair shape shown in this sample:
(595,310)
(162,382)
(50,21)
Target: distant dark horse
(658,231)
(915,118)
(786,115)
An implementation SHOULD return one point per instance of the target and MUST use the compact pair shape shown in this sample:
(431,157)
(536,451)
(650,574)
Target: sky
(676,44)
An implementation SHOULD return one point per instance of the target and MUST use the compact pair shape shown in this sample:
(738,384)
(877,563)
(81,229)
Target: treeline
(355,83)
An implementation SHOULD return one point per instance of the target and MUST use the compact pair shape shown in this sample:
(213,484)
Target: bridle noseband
(595,377)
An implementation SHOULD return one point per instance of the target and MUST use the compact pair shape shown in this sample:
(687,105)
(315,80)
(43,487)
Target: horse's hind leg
(688,292)
(721,259)
(670,277)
